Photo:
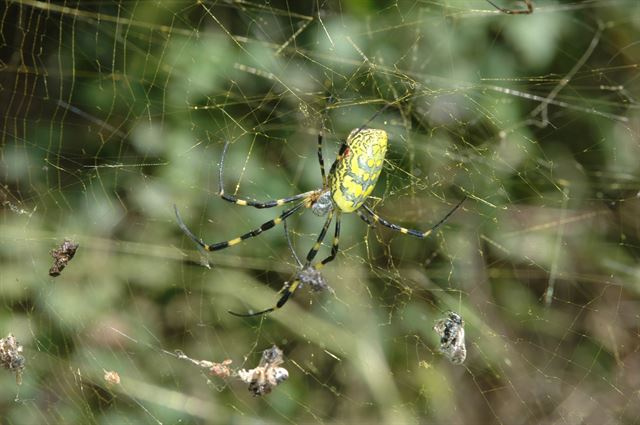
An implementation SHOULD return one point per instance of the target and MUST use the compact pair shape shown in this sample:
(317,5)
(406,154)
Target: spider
(527,11)
(350,181)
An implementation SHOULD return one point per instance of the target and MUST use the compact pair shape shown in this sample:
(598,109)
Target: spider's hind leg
(417,233)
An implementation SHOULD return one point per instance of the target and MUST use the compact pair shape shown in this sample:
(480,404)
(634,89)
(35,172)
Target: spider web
(115,110)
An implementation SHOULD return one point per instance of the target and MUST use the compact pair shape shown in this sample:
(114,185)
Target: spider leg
(293,251)
(527,11)
(365,218)
(334,245)
(323,233)
(248,202)
(255,232)
(321,159)
(289,289)
(412,232)
(266,204)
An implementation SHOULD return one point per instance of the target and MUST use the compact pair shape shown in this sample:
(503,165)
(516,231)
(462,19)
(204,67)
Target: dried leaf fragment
(11,357)
(61,257)
(111,377)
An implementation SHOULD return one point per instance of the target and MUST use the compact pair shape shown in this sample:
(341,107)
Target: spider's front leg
(417,233)
(248,202)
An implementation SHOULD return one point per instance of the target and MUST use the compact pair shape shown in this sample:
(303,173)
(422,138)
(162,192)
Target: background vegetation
(112,111)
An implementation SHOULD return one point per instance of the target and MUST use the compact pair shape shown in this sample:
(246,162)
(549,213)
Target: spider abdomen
(355,174)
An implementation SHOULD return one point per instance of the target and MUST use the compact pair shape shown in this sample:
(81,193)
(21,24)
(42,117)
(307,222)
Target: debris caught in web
(221,370)
(311,276)
(267,375)
(111,377)
(11,356)
(451,332)
(261,379)
(307,275)
(62,256)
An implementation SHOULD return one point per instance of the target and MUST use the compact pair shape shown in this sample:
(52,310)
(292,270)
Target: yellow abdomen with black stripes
(357,169)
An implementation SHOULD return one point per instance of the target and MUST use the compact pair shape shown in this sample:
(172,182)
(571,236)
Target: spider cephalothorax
(351,180)
(321,204)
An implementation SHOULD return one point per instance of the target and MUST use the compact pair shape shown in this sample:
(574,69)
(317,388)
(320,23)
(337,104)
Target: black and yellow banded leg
(289,289)
(342,150)
(334,245)
(412,232)
(364,217)
(247,202)
(321,160)
(253,233)
(323,233)
(287,292)
(265,204)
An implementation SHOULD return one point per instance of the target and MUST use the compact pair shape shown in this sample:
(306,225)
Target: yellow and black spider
(345,189)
